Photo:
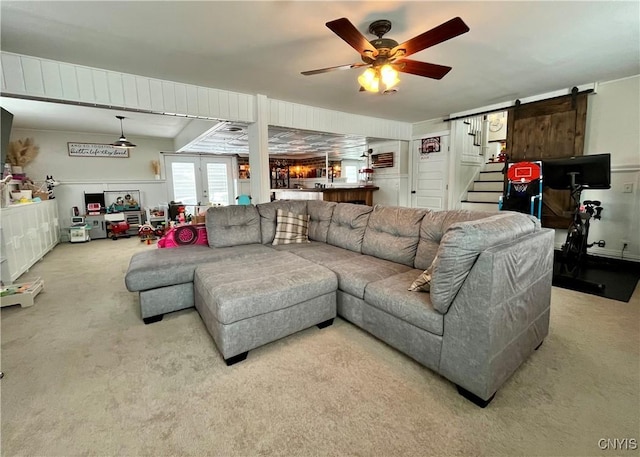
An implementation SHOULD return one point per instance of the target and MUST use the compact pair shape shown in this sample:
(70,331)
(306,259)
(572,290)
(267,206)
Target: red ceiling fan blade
(429,70)
(349,33)
(339,67)
(443,32)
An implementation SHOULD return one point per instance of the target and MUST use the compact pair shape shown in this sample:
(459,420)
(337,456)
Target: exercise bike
(574,250)
(577,174)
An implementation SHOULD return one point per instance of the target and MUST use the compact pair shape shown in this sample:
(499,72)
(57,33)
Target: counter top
(328,189)
(356,194)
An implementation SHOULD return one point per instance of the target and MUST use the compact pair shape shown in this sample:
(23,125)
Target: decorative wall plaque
(96,150)
(383,160)
(430,145)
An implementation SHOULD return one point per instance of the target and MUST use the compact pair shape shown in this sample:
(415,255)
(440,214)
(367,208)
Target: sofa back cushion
(348,225)
(268,218)
(320,213)
(461,245)
(393,233)
(232,225)
(433,227)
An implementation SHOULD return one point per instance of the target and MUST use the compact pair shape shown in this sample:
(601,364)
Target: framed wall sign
(382,160)
(96,150)
(430,145)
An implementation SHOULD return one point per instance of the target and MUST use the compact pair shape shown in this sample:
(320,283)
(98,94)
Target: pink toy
(184,235)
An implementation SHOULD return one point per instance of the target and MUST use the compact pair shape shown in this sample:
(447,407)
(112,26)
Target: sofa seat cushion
(354,274)
(238,289)
(391,296)
(168,267)
(320,253)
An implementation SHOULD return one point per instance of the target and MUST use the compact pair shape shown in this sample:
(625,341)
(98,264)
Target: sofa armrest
(500,315)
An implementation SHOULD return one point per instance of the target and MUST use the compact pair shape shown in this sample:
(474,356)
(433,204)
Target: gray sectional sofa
(486,312)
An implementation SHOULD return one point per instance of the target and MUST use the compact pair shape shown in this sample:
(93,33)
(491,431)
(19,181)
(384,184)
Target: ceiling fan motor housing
(383,45)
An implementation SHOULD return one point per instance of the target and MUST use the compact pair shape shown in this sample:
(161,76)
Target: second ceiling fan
(385,57)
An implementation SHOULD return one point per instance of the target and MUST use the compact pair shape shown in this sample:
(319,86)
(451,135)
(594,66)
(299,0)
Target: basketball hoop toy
(521,187)
(521,176)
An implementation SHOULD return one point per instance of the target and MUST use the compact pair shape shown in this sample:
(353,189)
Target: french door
(199,180)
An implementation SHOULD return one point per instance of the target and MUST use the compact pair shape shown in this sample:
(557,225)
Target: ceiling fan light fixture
(369,80)
(373,77)
(122,142)
(389,76)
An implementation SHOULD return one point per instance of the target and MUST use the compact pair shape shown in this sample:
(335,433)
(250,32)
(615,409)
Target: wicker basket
(199,219)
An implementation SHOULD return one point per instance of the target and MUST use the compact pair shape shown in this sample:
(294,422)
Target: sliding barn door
(549,129)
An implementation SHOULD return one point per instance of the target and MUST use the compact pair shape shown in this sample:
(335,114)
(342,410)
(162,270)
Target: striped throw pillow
(291,228)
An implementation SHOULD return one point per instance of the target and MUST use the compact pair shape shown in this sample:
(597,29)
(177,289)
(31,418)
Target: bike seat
(592,202)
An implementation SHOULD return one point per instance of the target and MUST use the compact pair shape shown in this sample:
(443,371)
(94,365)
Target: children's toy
(79,230)
(118,226)
(51,183)
(22,294)
(183,235)
(119,229)
(130,203)
(93,209)
(149,233)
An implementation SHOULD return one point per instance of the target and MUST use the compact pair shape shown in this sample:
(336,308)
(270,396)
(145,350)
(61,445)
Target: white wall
(94,174)
(393,181)
(613,125)
(428,127)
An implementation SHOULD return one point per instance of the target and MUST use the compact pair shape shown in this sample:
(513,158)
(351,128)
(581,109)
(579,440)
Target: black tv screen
(590,172)
(5,126)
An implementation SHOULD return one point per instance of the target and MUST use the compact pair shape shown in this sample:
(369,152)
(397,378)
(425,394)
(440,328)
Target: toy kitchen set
(112,213)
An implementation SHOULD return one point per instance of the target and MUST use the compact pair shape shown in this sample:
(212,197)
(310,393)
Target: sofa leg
(474,398)
(236,358)
(152,319)
(538,346)
(326,323)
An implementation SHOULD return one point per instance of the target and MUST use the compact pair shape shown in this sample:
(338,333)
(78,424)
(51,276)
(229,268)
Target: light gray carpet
(85,376)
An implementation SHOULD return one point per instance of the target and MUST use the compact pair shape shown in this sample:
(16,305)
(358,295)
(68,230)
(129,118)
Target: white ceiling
(513,50)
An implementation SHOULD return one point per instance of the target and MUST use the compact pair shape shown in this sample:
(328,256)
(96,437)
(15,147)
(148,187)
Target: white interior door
(198,180)
(430,176)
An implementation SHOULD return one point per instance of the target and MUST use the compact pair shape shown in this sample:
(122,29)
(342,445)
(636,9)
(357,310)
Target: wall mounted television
(590,171)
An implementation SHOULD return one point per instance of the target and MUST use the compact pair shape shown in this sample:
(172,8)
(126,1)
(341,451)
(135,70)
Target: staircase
(486,191)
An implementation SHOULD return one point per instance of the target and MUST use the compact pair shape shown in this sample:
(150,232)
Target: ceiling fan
(384,57)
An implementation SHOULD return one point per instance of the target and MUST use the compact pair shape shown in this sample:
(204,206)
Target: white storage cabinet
(28,232)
